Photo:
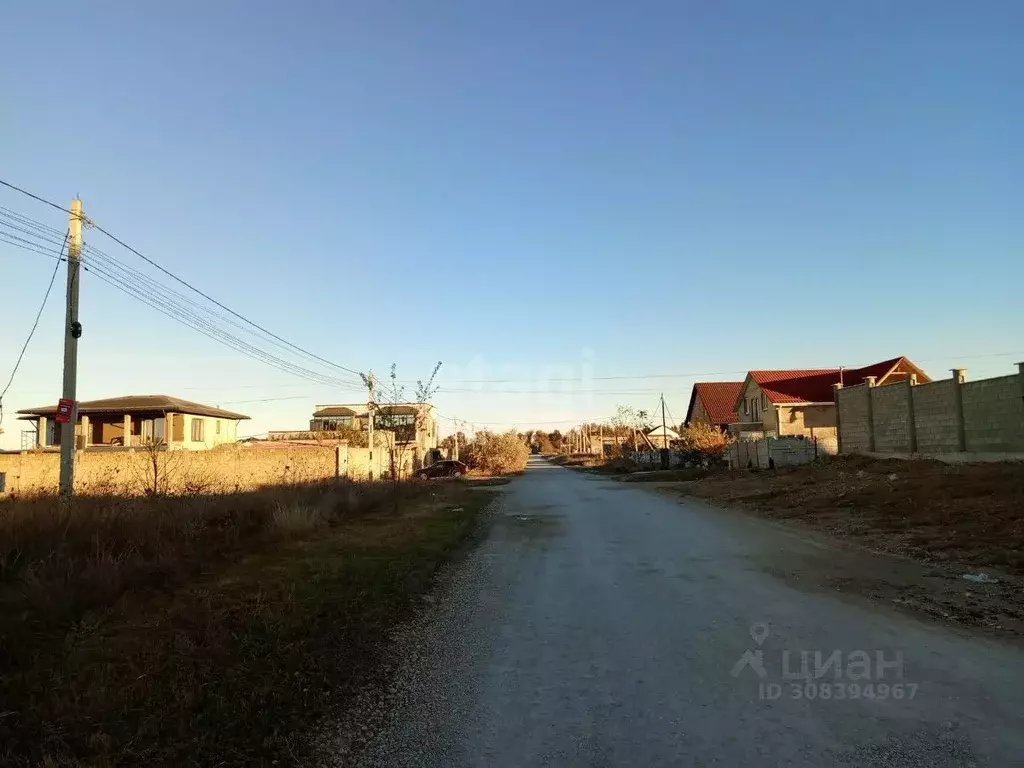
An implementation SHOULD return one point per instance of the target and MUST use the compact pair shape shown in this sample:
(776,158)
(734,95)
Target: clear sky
(524,190)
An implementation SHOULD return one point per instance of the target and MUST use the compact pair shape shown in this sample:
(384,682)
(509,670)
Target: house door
(755,410)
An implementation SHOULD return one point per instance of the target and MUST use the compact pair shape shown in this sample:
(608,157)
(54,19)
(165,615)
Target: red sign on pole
(65,407)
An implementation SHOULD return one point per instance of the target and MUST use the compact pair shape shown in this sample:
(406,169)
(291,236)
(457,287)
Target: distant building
(413,425)
(662,437)
(802,402)
(136,420)
(714,403)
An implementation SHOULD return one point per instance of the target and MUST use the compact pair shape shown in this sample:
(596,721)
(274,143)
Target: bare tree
(399,420)
(157,466)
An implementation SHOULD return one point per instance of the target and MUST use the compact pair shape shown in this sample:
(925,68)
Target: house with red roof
(714,403)
(802,402)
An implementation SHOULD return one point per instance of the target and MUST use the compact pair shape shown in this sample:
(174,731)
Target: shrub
(702,444)
(497,454)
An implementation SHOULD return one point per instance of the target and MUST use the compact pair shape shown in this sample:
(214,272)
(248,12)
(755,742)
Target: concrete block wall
(852,406)
(974,418)
(994,414)
(779,452)
(222,469)
(891,418)
(935,416)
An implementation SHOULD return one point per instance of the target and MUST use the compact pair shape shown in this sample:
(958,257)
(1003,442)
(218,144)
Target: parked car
(443,469)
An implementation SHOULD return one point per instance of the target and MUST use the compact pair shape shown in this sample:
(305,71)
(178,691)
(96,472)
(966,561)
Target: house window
(334,424)
(3,481)
(746,408)
(197,430)
(388,420)
(764,400)
(218,426)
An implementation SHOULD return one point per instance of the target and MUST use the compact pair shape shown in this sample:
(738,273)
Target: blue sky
(526,191)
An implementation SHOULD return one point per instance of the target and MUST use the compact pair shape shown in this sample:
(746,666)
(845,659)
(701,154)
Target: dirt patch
(486,481)
(965,523)
(665,475)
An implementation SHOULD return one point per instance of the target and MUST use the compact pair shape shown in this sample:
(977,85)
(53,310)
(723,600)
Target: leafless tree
(157,466)
(399,419)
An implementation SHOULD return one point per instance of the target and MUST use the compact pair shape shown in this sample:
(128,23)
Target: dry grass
(202,630)
(297,518)
(969,513)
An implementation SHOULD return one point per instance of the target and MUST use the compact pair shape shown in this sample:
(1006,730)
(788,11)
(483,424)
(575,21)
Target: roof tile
(135,403)
(719,400)
(815,385)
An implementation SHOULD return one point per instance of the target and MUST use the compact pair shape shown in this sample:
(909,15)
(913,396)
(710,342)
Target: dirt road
(600,624)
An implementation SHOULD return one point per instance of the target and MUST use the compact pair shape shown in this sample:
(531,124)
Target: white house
(662,437)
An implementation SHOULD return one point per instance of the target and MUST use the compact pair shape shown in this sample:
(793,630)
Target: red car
(443,469)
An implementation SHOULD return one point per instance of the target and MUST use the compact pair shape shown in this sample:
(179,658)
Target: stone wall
(852,406)
(943,417)
(994,414)
(935,417)
(890,414)
(778,452)
(226,468)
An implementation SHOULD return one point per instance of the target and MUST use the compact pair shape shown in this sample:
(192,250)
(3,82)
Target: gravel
(599,624)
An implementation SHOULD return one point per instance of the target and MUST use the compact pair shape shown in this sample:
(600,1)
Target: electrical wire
(34,197)
(24,228)
(150,285)
(141,287)
(461,420)
(20,242)
(35,325)
(209,298)
(175,312)
(672,419)
(171,303)
(188,285)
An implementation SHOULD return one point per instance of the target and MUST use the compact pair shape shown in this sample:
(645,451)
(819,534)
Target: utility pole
(72,332)
(664,435)
(455,437)
(369,413)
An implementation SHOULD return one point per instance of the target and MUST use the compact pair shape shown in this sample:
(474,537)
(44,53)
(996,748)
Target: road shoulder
(919,549)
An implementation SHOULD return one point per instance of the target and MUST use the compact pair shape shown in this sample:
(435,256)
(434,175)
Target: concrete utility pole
(72,332)
(455,438)
(369,413)
(664,435)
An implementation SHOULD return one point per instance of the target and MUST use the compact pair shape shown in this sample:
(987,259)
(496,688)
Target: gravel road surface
(600,624)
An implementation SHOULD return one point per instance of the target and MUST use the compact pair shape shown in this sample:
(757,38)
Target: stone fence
(983,419)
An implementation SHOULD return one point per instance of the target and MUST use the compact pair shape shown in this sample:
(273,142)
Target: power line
(673,418)
(21,218)
(695,374)
(188,285)
(28,229)
(35,325)
(263,400)
(563,392)
(20,242)
(522,421)
(148,284)
(226,309)
(168,308)
(35,197)
(143,288)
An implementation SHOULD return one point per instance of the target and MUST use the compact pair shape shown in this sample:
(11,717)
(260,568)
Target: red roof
(719,400)
(815,385)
